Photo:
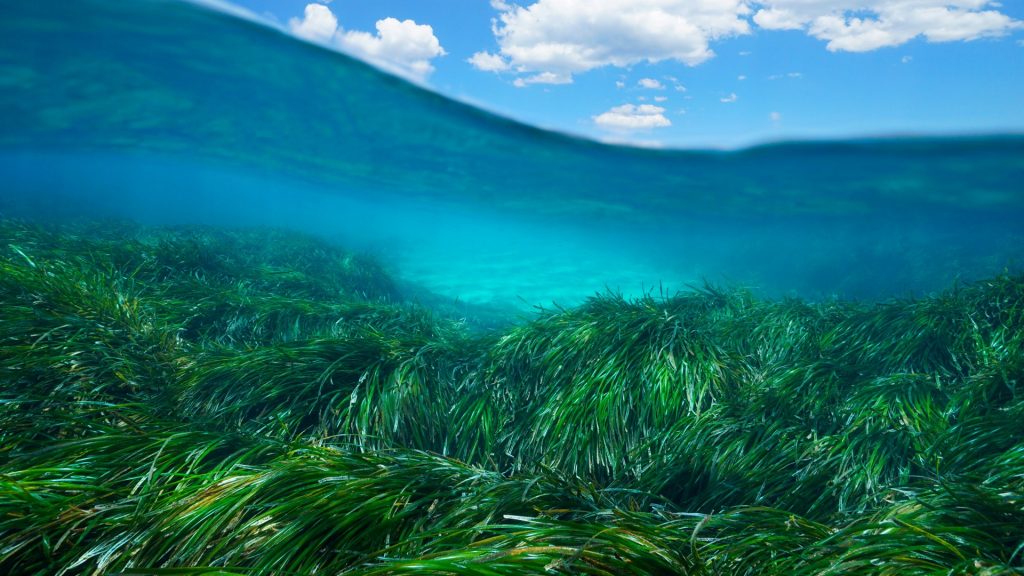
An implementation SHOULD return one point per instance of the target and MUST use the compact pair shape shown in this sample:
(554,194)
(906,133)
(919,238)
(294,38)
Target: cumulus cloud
(651,84)
(488,62)
(399,46)
(318,23)
(566,37)
(404,44)
(660,98)
(729,99)
(864,25)
(633,117)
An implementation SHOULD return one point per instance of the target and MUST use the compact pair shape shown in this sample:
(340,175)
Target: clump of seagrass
(199,401)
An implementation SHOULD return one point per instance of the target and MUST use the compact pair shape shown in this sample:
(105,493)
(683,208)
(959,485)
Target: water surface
(167,112)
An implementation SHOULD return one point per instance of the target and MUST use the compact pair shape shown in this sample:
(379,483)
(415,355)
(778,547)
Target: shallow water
(235,398)
(167,112)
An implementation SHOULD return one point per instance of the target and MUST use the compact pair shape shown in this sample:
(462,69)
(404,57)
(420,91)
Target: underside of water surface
(267,310)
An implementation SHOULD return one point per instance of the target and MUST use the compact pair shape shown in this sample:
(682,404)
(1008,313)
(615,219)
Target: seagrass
(206,401)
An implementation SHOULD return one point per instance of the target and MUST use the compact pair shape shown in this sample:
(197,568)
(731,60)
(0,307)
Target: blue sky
(696,73)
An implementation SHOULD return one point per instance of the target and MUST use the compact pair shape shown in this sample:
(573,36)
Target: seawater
(167,112)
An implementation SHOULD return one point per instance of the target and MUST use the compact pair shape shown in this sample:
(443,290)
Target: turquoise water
(165,112)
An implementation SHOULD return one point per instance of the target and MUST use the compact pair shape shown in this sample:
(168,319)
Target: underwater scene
(267,309)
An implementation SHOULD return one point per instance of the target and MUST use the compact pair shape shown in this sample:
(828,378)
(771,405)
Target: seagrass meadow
(197,400)
(268,310)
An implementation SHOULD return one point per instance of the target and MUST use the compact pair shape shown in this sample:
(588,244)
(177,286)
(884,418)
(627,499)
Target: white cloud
(741,77)
(620,84)
(680,88)
(775,116)
(542,78)
(318,23)
(729,99)
(405,44)
(651,84)
(660,98)
(787,75)
(566,37)
(399,46)
(488,62)
(778,19)
(906,59)
(633,117)
(863,25)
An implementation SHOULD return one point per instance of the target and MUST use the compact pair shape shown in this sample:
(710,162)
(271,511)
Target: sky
(695,73)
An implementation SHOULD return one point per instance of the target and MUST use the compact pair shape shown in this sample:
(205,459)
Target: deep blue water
(166,112)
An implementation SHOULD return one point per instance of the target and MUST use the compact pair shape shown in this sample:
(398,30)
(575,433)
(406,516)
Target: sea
(167,112)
